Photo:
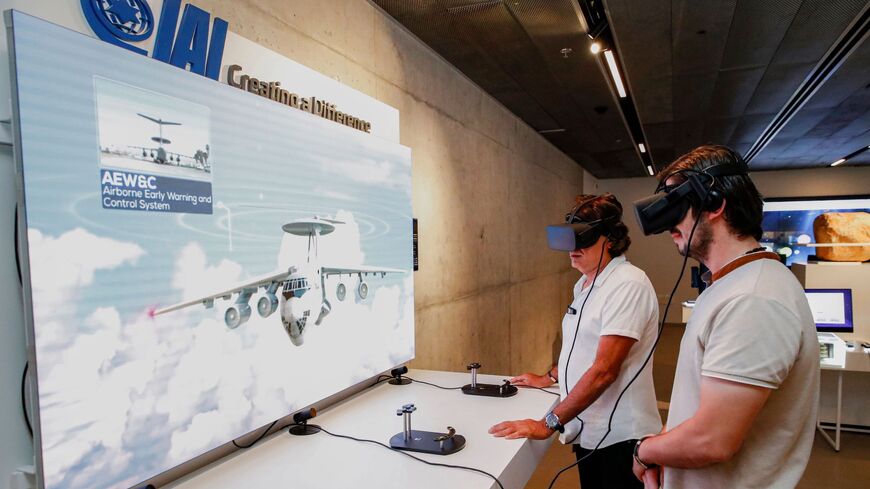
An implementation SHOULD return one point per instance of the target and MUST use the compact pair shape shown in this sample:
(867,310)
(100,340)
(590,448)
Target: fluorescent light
(650,170)
(641,147)
(614,72)
(839,162)
(595,47)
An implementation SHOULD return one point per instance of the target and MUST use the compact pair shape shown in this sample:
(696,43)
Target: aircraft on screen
(302,287)
(160,155)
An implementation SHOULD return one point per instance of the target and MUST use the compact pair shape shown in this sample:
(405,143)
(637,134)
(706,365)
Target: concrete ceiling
(698,72)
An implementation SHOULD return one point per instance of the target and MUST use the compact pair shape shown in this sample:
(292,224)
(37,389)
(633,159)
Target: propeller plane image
(298,293)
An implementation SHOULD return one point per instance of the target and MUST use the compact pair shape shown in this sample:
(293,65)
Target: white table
(322,461)
(856,361)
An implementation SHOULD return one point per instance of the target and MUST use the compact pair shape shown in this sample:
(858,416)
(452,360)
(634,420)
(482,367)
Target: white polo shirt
(622,303)
(752,325)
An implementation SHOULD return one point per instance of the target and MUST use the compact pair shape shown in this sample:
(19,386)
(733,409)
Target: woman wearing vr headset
(606,333)
(743,408)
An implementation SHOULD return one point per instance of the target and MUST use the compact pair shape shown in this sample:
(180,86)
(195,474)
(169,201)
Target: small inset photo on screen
(145,131)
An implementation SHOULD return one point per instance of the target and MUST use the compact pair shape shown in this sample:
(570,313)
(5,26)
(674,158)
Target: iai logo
(123,22)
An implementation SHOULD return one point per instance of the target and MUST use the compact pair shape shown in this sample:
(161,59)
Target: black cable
(574,341)
(262,435)
(433,385)
(17,252)
(265,432)
(655,343)
(542,389)
(24,399)
(435,464)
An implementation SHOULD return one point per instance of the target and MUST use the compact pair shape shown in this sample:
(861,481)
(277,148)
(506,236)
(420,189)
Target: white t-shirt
(622,303)
(753,326)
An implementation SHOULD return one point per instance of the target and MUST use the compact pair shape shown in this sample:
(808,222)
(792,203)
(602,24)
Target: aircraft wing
(158,121)
(254,284)
(358,269)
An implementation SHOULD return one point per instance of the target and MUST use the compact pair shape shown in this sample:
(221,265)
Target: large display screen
(788,222)
(200,260)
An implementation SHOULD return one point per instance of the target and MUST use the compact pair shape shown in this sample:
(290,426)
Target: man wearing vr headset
(743,407)
(606,334)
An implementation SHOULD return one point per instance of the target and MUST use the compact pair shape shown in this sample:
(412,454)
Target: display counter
(323,461)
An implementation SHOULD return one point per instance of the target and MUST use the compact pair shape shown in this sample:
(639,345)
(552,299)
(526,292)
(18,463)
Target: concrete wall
(484,184)
(657,255)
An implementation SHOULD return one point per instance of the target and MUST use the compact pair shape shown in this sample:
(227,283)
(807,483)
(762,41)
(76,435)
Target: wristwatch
(646,466)
(550,375)
(552,422)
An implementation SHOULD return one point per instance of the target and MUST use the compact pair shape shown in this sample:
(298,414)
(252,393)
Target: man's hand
(532,380)
(534,429)
(649,477)
(652,478)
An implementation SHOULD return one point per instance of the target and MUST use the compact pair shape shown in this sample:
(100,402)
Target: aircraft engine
(362,290)
(341,292)
(236,315)
(267,305)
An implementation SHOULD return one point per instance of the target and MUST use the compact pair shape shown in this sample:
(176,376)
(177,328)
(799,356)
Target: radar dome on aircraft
(308,226)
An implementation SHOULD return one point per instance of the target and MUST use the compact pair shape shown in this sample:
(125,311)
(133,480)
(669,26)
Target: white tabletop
(322,461)
(857,360)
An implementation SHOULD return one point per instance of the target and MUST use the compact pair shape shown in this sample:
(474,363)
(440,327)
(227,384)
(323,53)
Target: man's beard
(702,239)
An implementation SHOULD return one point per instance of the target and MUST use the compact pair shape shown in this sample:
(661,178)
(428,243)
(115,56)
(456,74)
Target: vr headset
(668,206)
(576,234)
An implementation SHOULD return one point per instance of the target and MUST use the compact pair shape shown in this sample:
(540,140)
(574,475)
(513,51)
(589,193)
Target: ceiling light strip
(850,156)
(614,73)
(851,38)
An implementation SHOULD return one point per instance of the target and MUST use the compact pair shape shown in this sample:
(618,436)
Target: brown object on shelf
(842,227)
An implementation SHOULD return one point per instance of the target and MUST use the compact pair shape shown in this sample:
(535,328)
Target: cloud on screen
(128,396)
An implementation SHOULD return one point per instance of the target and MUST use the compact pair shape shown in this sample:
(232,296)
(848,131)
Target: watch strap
(645,465)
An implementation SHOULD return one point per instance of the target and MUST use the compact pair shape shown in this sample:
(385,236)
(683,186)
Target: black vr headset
(669,205)
(576,234)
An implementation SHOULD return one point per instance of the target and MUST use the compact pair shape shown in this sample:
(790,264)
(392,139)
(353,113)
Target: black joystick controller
(488,390)
(425,441)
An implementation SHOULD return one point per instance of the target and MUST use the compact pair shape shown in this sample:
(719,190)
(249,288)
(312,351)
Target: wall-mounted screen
(199,260)
(788,222)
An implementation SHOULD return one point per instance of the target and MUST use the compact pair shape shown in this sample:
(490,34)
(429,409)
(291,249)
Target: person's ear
(717,213)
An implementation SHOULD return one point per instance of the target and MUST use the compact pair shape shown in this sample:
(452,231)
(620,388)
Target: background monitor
(832,309)
(788,222)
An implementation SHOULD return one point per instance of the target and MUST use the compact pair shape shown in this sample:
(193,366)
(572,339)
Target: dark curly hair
(595,207)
